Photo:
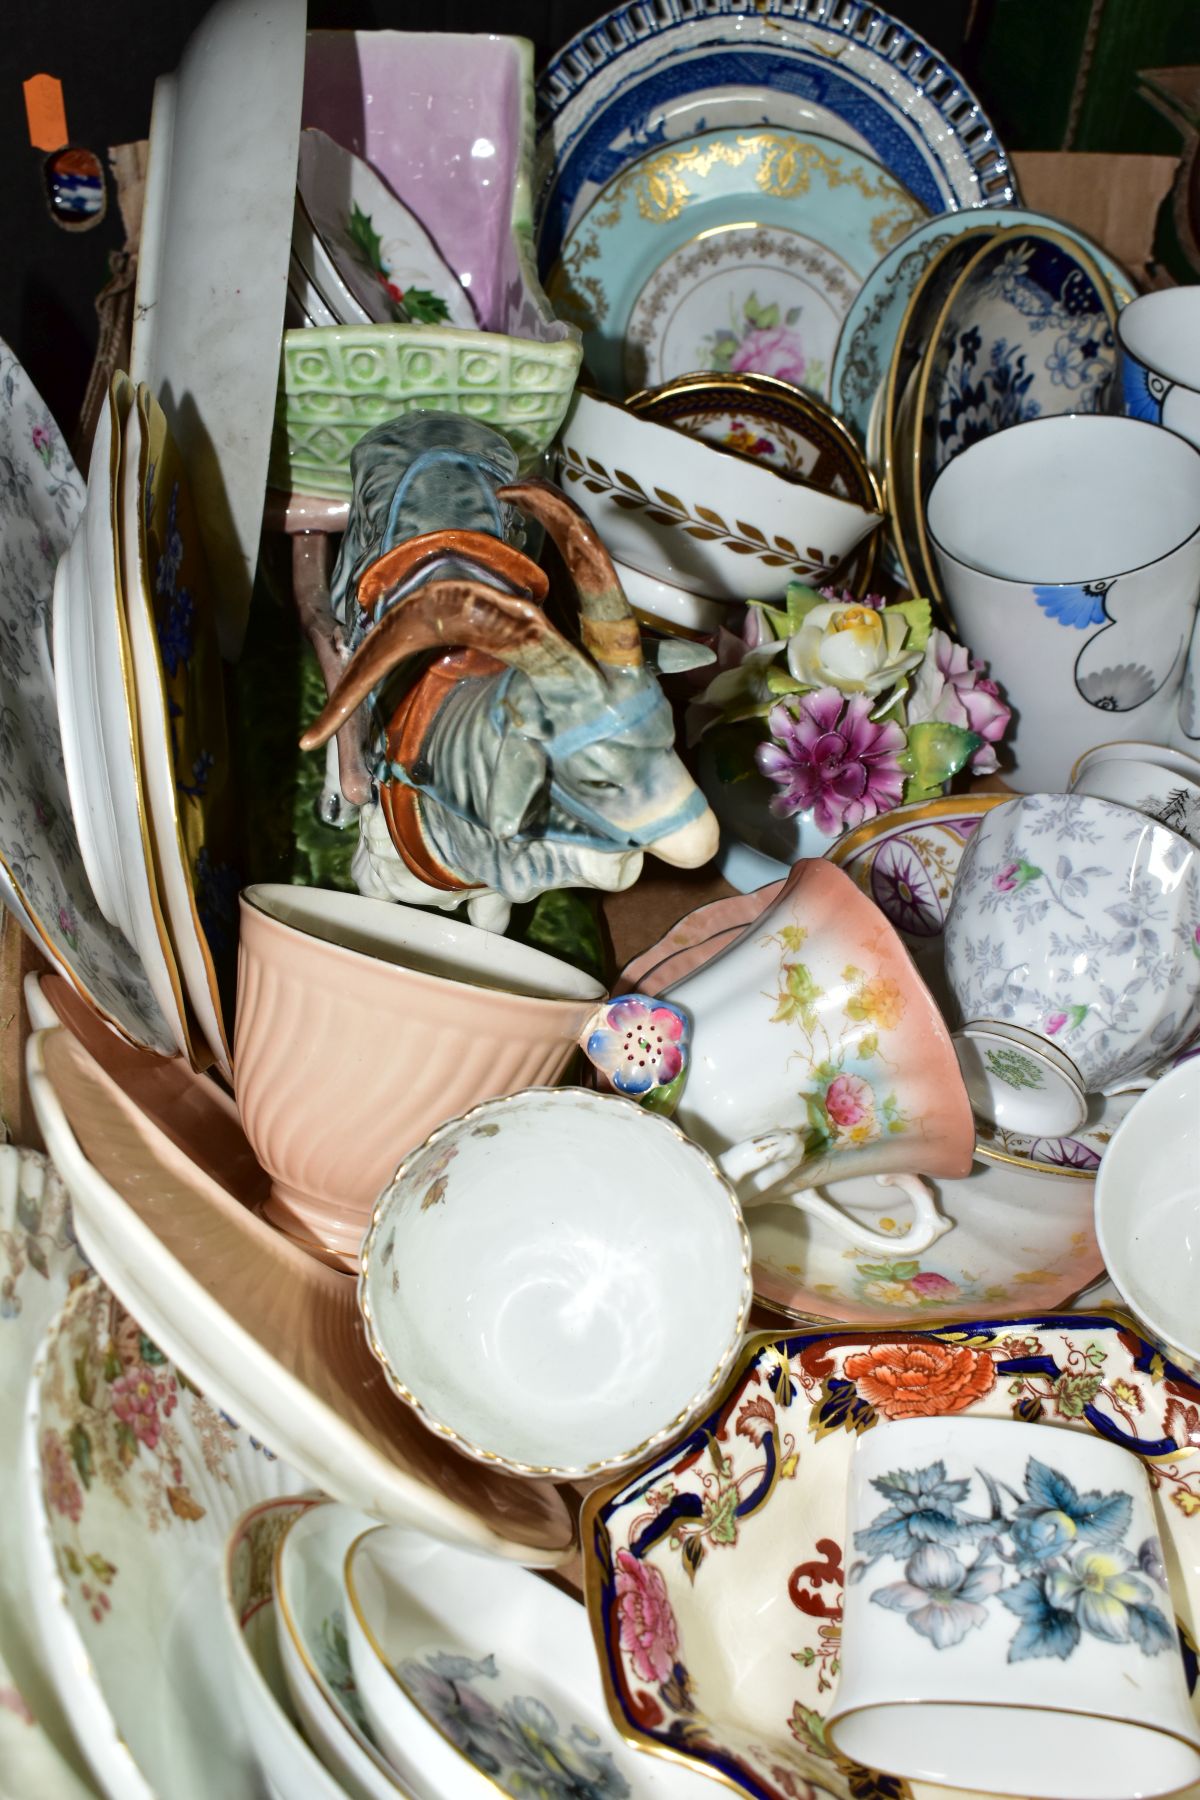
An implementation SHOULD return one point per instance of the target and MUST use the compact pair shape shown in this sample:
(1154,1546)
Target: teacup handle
(757,1165)
(642,1045)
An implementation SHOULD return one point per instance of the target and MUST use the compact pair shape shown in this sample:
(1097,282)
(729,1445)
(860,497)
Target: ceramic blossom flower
(850,1104)
(639,1045)
(854,647)
(951,687)
(772,351)
(649,1633)
(830,756)
(915,1381)
(941,1597)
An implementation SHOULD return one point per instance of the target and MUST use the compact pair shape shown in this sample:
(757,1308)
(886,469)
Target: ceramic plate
(181,715)
(770,420)
(40,855)
(38,1262)
(291,1769)
(869,330)
(160,1210)
(212,269)
(733,251)
(310,1621)
(380,252)
(641,77)
(113,783)
(1027,330)
(714,1578)
(132,1482)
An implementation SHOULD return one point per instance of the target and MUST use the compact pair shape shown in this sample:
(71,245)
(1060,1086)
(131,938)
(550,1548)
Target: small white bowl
(1148,1211)
(692,514)
(557,1281)
(1161,782)
(667,608)
(477,1677)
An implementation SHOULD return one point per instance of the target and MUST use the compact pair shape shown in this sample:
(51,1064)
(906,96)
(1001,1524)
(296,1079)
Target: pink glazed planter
(362,1025)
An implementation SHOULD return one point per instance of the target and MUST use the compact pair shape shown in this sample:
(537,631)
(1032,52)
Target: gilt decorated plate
(733,252)
(643,78)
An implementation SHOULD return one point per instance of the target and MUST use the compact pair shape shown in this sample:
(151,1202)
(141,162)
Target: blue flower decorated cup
(1158,338)
(1068,550)
(1007,1624)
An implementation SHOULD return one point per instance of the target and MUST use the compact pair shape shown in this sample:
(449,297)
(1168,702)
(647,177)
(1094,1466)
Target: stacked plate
(140,705)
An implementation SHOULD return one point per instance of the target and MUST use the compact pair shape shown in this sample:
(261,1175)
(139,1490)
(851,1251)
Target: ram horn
(609,629)
(458,614)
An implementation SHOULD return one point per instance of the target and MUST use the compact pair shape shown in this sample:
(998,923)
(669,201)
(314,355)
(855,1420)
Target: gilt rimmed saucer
(734,251)
(870,328)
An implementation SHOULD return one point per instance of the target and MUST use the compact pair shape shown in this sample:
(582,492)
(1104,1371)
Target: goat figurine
(514,761)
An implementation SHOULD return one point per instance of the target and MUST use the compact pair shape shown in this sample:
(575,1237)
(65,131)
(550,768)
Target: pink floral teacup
(818,1053)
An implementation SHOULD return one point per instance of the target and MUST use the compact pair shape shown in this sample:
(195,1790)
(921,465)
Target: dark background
(1053,74)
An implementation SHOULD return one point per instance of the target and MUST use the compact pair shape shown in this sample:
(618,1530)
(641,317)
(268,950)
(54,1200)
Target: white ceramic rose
(857,649)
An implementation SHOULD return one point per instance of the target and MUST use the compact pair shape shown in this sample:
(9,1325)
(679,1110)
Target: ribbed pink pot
(348,1054)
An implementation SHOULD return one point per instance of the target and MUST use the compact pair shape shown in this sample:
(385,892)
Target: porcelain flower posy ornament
(875,705)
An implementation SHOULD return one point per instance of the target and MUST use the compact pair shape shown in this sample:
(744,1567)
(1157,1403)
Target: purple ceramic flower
(951,687)
(774,351)
(830,756)
(639,1045)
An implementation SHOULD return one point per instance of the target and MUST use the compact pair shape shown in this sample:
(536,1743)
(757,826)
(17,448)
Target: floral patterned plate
(907,860)
(735,251)
(132,1482)
(41,503)
(39,1262)
(869,330)
(365,245)
(1028,329)
(714,1578)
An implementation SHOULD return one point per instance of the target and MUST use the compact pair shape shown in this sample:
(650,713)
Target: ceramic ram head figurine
(515,761)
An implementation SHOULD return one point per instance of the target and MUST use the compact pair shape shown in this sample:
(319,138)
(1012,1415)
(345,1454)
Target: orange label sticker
(45,112)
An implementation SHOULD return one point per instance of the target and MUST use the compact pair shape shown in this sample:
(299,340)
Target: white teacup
(1159,340)
(1072,947)
(1148,1212)
(1069,553)
(818,1053)
(1007,1622)
(1151,778)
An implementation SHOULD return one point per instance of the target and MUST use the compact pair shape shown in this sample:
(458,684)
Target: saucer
(714,1578)
(735,251)
(196,1262)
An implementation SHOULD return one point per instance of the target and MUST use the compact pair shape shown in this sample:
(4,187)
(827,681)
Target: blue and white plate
(732,251)
(1027,330)
(646,76)
(869,331)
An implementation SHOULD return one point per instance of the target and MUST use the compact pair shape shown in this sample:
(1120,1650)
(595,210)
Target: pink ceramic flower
(951,687)
(41,443)
(850,1103)
(1055,1022)
(776,351)
(62,1490)
(142,1399)
(830,756)
(639,1045)
(1007,878)
(648,1630)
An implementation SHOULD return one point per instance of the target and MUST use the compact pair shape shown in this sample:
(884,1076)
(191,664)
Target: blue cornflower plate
(643,78)
(180,700)
(718,1576)
(1027,330)
(870,328)
(732,251)
(479,1681)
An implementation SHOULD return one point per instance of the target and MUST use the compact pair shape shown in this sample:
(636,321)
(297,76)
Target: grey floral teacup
(1073,954)
(1008,1625)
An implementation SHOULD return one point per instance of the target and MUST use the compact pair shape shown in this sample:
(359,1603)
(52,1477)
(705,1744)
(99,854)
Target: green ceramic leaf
(934,752)
(919,615)
(424,307)
(365,238)
(81,1453)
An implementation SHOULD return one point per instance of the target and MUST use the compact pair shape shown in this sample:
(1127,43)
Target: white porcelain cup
(818,1053)
(1069,553)
(1072,947)
(1158,337)
(1007,1623)
(1148,1212)
(1151,778)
